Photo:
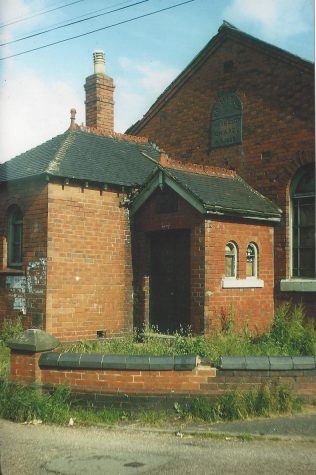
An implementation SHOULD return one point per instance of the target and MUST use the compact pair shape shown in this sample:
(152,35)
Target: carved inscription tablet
(226,126)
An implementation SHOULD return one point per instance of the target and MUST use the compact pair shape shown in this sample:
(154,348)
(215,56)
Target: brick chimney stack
(99,96)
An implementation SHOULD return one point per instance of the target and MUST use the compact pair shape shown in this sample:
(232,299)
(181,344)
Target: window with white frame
(252,260)
(231,259)
(303,223)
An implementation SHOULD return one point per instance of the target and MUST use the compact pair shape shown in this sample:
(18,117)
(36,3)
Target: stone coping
(267,362)
(33,340)
(120,362)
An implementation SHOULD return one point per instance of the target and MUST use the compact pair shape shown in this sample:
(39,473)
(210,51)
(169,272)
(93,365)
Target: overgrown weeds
(289,335)
(263,401)
(11,328)
(27,404)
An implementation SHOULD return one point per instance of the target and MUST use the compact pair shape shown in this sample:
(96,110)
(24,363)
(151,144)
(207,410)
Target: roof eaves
(241,213)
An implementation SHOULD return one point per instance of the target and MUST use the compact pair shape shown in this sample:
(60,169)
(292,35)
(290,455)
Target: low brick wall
(152,382)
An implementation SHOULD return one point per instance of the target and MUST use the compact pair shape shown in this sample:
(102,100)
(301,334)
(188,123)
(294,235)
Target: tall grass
(26,404)
(263,401)
(289,335)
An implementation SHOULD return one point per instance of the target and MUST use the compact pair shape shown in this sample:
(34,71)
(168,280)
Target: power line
(98,29)
(73,23)
(84,15)
(40,13)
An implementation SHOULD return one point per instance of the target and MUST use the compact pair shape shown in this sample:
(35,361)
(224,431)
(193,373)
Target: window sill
(298,285)
(12,272)
(248,283)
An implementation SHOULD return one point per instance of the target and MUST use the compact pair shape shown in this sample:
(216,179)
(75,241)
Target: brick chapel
(203,210)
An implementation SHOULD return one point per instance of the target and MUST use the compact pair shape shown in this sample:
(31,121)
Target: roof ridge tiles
(114,135)
(198,169)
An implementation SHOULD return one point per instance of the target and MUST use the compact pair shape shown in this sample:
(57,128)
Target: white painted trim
(298,285)
(248,283)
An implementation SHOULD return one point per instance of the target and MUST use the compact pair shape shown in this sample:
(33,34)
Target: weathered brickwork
(99,102)
(76,275)
(277,94)
(89,280)
(247,307)
(211,305)
(23,291)
(202,381)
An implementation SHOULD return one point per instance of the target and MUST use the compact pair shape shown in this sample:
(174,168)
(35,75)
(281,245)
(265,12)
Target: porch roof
(211,195)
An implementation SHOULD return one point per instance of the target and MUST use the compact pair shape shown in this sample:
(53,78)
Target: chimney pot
(99,62)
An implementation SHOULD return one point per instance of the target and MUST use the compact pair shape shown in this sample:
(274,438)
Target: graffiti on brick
(226,124)
(22,288)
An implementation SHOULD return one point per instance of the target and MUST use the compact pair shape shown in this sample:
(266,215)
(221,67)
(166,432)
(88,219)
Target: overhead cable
(39,13)
(97,30)
(73,23)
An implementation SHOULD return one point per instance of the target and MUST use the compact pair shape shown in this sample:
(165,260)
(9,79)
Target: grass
(261,402)
(289,335)
(27,403)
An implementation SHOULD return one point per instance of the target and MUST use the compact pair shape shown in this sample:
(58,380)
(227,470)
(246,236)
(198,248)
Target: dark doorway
(170,280)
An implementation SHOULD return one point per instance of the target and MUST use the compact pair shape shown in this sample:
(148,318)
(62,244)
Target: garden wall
(152,382)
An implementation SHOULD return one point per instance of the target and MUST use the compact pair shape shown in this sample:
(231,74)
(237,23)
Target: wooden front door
(170,280)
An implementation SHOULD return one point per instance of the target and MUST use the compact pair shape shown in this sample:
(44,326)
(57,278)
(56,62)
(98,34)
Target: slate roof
(229,195)
(225,31)
(84,155)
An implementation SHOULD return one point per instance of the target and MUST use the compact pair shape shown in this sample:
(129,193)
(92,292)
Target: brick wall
(251,307)
(24,290)
(211,305)
(278,127)
(203,380)
(89,280)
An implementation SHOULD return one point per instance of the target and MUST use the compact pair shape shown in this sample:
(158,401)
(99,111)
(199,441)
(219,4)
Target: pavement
(42,449)
(293,427)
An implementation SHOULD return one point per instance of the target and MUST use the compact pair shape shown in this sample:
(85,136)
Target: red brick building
(248,106)
(100,231)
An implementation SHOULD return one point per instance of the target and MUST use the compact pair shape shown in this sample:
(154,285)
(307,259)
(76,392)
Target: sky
(38,88)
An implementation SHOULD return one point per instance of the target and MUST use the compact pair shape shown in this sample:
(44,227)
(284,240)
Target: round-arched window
(252,260)
(231,259)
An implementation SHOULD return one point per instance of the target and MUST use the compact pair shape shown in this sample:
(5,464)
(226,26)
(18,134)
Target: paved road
(42,450)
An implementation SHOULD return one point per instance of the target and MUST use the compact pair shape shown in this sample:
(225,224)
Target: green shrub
(289,334)
(11,328)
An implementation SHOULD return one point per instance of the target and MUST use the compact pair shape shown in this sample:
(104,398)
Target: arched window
(15,233)
(231,259)
(303,222)
(252,260)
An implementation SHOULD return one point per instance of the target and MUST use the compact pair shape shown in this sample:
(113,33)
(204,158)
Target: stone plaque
(226,126)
